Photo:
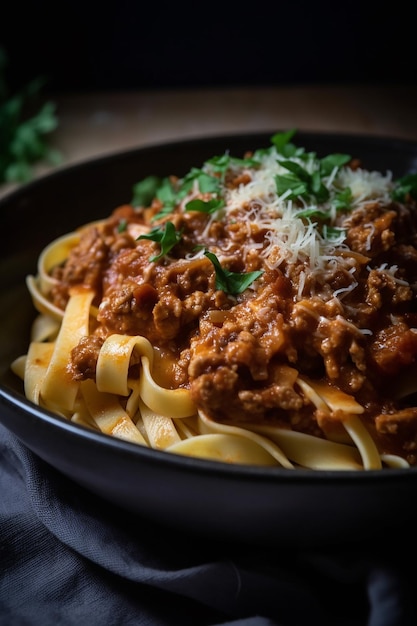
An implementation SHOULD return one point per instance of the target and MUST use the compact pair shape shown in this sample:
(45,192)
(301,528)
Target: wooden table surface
(93,124)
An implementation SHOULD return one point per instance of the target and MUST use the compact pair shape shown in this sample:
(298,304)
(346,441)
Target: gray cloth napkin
(68,558)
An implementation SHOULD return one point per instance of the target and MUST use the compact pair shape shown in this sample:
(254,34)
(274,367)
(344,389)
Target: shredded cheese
(291,236)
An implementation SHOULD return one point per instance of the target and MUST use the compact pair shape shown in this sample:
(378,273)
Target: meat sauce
(353,325)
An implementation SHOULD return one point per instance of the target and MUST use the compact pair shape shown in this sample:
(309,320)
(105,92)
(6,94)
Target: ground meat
(84,358)
(351,325)
(85,266)
(370,230)
(402,425)
(393,348)
(383,288)
(222,395)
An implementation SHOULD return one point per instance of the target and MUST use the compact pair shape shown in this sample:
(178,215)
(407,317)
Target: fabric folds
(69,558)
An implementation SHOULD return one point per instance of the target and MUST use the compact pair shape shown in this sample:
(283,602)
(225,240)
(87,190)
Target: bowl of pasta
(222,332)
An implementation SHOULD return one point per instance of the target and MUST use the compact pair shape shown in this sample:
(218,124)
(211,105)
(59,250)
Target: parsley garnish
(231,282)
(170,195)
(206,182)
(224,162)
(343,199)
(301,183)
(405,186)
(167,195)
(145,191)
(205,206)
(334,233)
(283,144)
(122,225)
(165,235)
(312,212)
(329,162)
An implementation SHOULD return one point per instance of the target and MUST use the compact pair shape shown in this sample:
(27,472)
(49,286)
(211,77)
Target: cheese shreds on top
(294,234)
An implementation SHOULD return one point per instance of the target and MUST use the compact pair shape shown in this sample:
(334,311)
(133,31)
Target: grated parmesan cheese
(291,238)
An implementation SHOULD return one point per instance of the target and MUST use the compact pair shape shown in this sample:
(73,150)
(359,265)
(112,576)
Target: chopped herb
(166,235)
(224,162)
(167,195)
(290,184)
(154,187)
(334,234)
(301,183)
(208,206)
(308,184)
(283,144)
(329,162)
(206,182)
(145,191)
(231,282)
(122,226)
(405,186)
(312,212)
(343,199)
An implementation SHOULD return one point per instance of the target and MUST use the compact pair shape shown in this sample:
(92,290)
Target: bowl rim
(370,139)
(17,401)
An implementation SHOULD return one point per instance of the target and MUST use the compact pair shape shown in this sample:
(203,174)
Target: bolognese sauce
(252,274)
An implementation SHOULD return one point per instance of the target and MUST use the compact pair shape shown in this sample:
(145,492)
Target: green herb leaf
(343,199)
(407,185)
(166,235)
(231,282)
(291,184)
(145,191)
(297,170)
(334,234)
(329,162)
(222,163)
(168,197)
(308,184)
(166,193)
(206,182)
(283,145)
(312,212)
(122,226)
(205,206)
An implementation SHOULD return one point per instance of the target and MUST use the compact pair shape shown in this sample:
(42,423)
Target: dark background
(124,45)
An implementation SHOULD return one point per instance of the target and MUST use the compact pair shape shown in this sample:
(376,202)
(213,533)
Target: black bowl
(231,502)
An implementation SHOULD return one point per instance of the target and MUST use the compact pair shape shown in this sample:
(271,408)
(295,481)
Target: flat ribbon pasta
(108,414)
(113,371)
(258,441)
(52,256)
(229,448)
(160,430)
(58,389)
(335,400)
(40,301)
(36,366)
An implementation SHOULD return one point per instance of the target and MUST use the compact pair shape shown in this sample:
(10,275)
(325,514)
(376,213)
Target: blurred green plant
(25,124)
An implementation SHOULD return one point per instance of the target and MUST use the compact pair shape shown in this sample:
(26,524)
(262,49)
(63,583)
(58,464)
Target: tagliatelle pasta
(259,310)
